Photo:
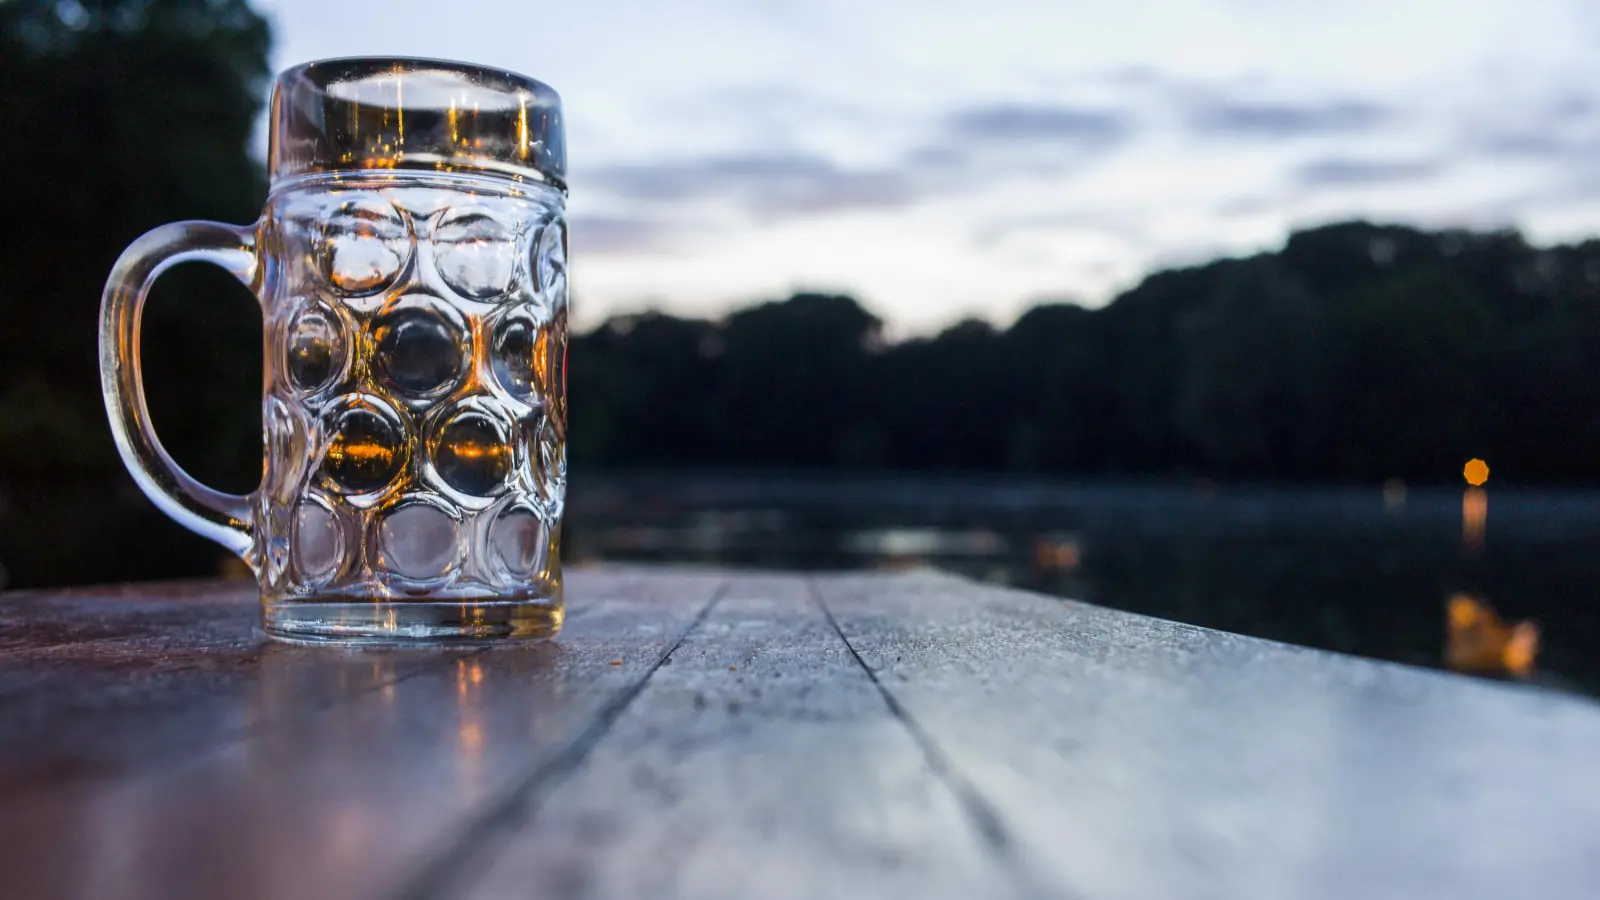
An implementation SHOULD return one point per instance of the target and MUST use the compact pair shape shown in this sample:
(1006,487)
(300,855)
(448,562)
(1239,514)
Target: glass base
(464,621)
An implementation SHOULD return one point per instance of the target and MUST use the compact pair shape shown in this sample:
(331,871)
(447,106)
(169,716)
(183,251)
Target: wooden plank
(1131,757)
(36,620)
(160,673)
(348,802)
(1002,744)
(759,762)
(157,675)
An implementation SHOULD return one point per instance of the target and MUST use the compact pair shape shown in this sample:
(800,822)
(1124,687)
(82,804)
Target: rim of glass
(376,63)
(297,147)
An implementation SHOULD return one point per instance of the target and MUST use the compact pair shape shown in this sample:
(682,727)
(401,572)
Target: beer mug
(411,269)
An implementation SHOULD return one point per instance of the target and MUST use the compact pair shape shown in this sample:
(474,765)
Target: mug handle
(222,517)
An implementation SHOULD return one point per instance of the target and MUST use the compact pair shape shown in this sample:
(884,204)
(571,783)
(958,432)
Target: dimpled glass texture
(414,291)
(415,346)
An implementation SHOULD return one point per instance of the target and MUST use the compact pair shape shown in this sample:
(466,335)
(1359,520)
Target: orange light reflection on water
(1477,640)
(1474,517)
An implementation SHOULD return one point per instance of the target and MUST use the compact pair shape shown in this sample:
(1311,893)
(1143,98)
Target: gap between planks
(981,815)
(521,803)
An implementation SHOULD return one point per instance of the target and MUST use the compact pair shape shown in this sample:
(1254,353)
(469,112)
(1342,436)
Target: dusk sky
(941,160)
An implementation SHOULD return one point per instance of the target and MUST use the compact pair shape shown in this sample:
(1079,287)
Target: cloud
(1523,144)
(773,185)
(975,143)
(1052,124)
(1126,228)
(1345,171)
(1573,106)
(1249,205)
(1006,142)
(597,235)
(1133,75)
(780,101)
(1284,120)
(766,184)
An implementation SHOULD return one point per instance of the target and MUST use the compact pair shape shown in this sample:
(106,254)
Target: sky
(942,160)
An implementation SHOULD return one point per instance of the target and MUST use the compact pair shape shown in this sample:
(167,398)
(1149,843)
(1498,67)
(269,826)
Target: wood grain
(760,762)
(697,733)
(349,800)
(1134,757)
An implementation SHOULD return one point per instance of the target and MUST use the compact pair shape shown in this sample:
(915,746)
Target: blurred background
(1282,318)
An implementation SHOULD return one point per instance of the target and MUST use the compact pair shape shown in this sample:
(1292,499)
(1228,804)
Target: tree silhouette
(120,115)
(1358,352)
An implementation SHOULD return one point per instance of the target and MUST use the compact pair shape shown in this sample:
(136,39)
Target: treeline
(121,115)
(1357,352)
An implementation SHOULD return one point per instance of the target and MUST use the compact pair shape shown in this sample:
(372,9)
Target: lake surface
(1360,571)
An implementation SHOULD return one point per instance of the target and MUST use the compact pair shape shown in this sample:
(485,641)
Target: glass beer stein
(411,269)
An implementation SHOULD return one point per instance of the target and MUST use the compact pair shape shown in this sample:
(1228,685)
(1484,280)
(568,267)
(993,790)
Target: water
(1362,571)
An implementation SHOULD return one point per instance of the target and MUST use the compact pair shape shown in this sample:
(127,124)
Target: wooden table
(707,734)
